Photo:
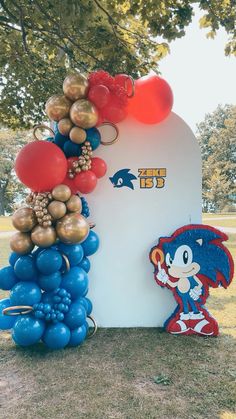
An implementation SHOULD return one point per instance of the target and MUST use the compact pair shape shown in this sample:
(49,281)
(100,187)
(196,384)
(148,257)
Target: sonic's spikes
(123,178)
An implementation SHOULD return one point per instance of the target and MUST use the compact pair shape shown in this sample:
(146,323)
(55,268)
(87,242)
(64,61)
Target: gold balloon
(43,236)
(64,126)
(72,228)
(57,209)
(78,135)
(84,114)
(21,243)
(74,204)
(75,86)
(57,107)
(24,219)
(61,193)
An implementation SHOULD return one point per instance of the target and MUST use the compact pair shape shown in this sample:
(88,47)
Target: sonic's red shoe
(179,324)
(203,325)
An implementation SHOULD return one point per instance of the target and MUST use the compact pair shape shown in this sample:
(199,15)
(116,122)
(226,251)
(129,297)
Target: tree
(42,39)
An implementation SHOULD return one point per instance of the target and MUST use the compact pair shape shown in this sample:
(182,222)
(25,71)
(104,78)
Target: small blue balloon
(76,315)
(7,278)
(47,298)
(25,293)
(71,149)
(82,300)
(60,139)
(75,281)
(47,308)
(91,244)
(13,258)
(90,306)
(39,314)
(49,282)
(25,268)
(85,264)
(27,330)
(74,252)
(78,335)
(6,322)
(49,261)
(57,336)
(94,137)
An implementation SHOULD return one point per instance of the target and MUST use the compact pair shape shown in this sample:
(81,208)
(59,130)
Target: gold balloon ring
(42,127)
(133,86)
(116,135)
(10,311)
(67,262)
(95,327)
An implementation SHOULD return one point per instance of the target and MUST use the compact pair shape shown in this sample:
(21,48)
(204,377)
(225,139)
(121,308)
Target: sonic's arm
(197,290)
(162,276)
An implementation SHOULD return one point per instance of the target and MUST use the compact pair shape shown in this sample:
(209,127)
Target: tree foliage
(42,39)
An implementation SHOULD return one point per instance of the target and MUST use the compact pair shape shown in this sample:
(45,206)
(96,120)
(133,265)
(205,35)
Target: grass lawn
(127,373)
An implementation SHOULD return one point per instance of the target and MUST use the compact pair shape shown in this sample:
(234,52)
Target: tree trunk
(2,202)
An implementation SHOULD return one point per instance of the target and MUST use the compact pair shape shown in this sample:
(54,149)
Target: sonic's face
(123,178)
(182,265)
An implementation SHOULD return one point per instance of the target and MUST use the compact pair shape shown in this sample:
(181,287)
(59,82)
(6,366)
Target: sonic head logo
(123,178)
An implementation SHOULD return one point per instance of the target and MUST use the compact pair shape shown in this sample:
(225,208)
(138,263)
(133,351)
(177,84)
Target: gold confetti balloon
(78,135)
(43,236)
(75,86)
(21,243)
(64,126)
(24,219)
(57,209)
(61,193)
(84,114)
(57,107)
(72,228)
(74,204)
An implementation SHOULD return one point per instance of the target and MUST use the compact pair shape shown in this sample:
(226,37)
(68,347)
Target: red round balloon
(85,181)
(114,112)
(41,165)
(99,167)
(70,182)
(152,101)
(125,81)
(99,95)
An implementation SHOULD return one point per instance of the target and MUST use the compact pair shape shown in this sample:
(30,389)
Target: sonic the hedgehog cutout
(188,263)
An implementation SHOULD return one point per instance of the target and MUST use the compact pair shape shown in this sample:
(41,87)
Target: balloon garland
(48,268)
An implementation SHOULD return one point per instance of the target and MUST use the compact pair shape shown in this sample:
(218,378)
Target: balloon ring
(116,136)
(10,311)
(42,127)
(157,254)
(133,86)
(95,327)
(92,225)
(67,261)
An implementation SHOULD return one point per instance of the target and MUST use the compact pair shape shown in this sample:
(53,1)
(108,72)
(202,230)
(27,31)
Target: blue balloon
(75,282)
(60,139)
(74,252)
(76,315)
(91,244)
(7,278)
(27,330)
(94,137)
(90,306)
(25,268)
(78,335)
(56,336)
(6,322)
(49,282)
(83,302)
(85,292)
(49,261)
(13,258)
(85,264)
(47,298)
(25,293)
(71,149)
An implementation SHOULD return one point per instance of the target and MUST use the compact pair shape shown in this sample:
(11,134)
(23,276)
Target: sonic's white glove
(195,293)
(162,275)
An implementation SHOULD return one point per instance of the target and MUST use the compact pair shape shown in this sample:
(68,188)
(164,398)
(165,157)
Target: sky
(199,73)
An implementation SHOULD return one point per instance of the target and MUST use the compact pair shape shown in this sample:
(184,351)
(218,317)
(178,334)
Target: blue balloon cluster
(85,208)
(58,297)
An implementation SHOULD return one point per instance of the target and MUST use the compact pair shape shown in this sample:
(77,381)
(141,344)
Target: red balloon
(114,112)
(99,95)
(152,101)
(99,167)
(85,181)
(70,182)
(125,81)
(70,162)
(41,165)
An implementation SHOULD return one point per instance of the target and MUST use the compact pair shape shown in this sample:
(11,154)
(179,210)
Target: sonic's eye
(169,261)
(185,257)
(120,181)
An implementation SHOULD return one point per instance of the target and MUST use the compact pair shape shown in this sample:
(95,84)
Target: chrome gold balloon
(57,209)
(84,114)
(72,228)
(57,107)
(64,126)
(77,135)
(21,243)
(74,204)
(43,236)
(75,86)
(61,193)
(24,219)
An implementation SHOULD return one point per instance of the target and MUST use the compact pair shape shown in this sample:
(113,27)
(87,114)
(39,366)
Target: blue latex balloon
(85,292)
(60,140)
(47,298)
(56,336)
(83,302)
(27,330)
(75,282)
(76,315)
(49,261)
(13,258)
(71,149)
(85,264)
(49,282)
(91,244)
(7,278)
(90,306)
(6,322)
(78,335)
(25,268)
(74,252)
(94,137)
(25,293)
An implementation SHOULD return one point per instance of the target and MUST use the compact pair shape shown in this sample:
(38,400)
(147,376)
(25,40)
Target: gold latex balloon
(74,204)
(57,107)
(84,114)
(75,86)
(24,219)
(77,135)
(61,193)
(21,243)
(64,126)
(43,236)
(72,228)
(57,209)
